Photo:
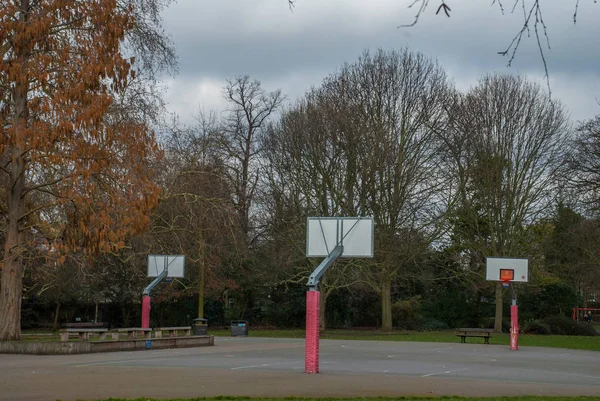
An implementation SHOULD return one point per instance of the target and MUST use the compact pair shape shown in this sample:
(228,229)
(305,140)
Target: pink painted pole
(514,327)
(312,332)
(146,312)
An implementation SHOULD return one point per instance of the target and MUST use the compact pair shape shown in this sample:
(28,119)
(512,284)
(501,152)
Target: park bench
(471,332)
(187,330)
(132,333)
(83,333)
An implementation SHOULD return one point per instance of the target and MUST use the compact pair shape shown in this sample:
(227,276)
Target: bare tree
(195,216)
(362,144)
(312,171)
(147,40)
(505,141)
(583,161)
(251,107)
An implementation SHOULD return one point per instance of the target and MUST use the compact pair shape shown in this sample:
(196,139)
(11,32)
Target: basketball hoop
(506,276)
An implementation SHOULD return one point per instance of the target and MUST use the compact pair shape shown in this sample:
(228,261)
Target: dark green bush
(29,318)
(505,324)
(431,324)
(583,329)
(562,325)
(536,327)
(406,312)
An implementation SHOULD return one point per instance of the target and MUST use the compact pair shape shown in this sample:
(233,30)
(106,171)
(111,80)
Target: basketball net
(505,283)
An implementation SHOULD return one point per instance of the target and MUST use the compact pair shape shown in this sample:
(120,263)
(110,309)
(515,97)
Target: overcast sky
(294,50)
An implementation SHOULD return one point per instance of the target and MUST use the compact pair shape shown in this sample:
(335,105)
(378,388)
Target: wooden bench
(187,331)
(486,334)
(132,333)
(83,333)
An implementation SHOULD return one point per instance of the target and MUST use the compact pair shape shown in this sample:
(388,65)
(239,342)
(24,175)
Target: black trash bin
(239,328)
(200,327)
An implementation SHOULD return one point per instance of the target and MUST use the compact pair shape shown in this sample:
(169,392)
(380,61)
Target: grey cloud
(219,39)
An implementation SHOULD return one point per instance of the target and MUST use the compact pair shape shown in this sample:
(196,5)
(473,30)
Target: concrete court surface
(275,367)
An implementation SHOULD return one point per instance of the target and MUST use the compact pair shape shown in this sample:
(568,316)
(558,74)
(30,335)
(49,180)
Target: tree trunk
(201,291)
(386,306)
(126,311)
(96,313)
(498,319)
(56,312)
(11,287)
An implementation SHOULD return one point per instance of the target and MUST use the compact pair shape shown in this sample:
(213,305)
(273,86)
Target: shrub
(505,324)
(536,327)
(557,299)
(29,319)
(583,329)
(431,324)
(563,325)
(406,309)
(405,313)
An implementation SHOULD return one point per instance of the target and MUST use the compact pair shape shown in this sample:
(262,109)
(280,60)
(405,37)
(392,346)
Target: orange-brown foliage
(86,166)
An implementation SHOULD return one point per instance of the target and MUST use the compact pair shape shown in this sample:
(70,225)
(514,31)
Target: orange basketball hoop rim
(506,276)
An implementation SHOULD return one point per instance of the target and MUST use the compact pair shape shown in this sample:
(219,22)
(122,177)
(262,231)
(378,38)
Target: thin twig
(422,8)
(499,4)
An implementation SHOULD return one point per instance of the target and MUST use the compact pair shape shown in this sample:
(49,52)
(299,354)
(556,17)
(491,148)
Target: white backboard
(519,266)
(354,233)
(173,263)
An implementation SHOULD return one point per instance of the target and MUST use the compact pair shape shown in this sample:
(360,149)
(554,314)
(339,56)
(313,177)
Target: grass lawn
(572,342)
(222,398)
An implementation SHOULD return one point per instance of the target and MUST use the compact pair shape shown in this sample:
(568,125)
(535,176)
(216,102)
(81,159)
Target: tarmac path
(275,367)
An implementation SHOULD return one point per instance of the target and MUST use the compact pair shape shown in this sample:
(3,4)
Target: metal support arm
(513,293)
(155,281)
(315,277)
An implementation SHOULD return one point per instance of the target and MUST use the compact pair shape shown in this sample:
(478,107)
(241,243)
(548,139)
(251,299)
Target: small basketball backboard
(175,264)
(507,269)
(354,233)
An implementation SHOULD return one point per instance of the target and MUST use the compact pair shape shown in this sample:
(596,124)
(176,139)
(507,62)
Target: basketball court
(275,367)
(278,367)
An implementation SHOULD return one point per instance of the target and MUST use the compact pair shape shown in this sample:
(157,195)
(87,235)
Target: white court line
(111,362)
(586,376)
(445,373)
(438,349)
(264,365)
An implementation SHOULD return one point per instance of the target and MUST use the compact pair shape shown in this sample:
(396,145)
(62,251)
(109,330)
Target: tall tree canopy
(505,142)
(364,143)
(74,164)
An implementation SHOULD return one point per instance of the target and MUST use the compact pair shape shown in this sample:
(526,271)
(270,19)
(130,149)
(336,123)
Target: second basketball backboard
(174,264)
(354,233)
(507,269)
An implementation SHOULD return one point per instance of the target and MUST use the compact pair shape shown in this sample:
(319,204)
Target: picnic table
(132,332)
(187,331)
(83,333)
